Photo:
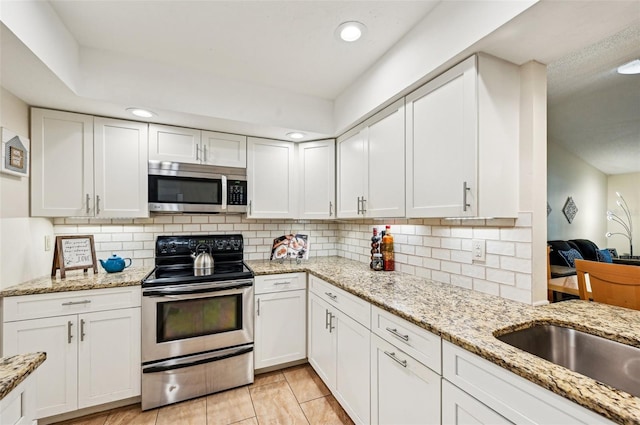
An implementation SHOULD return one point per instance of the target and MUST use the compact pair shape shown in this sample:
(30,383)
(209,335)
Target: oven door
(186,319)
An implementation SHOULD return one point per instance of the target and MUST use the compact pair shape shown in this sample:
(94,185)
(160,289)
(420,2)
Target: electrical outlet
(478,250)
(47,242)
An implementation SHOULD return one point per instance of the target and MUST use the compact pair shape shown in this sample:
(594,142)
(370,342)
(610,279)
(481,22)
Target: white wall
(22,254)
(628,185)
(568,175)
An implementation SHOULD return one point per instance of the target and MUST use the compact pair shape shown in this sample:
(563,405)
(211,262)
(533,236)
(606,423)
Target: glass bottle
(387,250)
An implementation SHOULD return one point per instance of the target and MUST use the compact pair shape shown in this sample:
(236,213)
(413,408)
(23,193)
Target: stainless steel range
(197,330)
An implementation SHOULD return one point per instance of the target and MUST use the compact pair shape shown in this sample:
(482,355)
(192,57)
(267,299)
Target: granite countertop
(470,320)
(15,369)
(77,280)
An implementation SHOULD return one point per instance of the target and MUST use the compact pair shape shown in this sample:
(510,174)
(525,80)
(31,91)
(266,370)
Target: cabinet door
(317,193)
(57,376)
(353,379)
(225,150)
(61,164)
(281,335)
(174,144)
(322,347)
(121,168)
(271,178)
(385,194)
(441,124)
(403,391)
(352,172)
(108,356)
(460,408)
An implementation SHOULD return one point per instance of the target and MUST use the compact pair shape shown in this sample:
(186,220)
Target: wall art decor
(570,209)
(15,154)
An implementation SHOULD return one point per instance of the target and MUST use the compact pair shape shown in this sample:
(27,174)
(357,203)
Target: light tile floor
(290,396)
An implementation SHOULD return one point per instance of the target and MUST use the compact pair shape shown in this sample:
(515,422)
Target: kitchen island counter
(471,320)
(77,280)
(15,369)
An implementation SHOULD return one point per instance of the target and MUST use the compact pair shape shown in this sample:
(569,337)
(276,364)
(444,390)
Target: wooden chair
(614,284)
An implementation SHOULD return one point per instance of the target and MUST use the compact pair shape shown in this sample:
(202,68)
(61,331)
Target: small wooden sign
(72,253)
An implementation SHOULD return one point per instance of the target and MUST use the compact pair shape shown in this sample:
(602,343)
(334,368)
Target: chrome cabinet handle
(395,332)
(330,295)
(249,208)
(69,336)
(465,190)
(331,327)
(88,198)
(81,329)
(282,283)
(403,363)
(330,208)
(77,302)
(258,309)
(198,152)
(364,203)
(358,206)
(326,318)
(204,149)
(97,204)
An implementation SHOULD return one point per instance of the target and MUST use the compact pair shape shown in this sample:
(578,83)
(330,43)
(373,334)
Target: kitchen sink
(607,361)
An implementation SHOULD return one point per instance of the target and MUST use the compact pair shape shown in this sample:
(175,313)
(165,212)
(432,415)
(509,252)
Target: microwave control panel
(236,192)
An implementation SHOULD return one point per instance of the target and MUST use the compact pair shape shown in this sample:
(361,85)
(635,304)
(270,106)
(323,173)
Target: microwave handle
(224,193)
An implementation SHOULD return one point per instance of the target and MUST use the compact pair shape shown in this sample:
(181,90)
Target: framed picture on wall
(15,154)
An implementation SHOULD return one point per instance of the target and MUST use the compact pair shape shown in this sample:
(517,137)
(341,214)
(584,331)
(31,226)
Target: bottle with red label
(387,250)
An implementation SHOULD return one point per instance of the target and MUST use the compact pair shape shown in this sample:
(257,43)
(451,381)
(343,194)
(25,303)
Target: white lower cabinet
(460,408)
(280,320)
(508,395)
(339,351)
(403,390)
(93,355)
(19,406)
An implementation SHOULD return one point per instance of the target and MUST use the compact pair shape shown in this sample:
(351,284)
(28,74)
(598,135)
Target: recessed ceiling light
(296,135)
(632,67)
(350,31)
(142,113)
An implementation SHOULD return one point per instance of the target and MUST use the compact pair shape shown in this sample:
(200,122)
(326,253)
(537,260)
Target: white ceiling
(267,67)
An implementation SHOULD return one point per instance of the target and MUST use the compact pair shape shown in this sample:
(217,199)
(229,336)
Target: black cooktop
(174,263)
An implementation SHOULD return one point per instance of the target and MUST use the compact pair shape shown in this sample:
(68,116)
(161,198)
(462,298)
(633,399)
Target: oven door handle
(182,363)
(196,288)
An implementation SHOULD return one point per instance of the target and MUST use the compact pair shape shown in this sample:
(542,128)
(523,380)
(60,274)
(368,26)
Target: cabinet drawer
(354,307)
(415,341)
(60,303)
(517,399)
(280,282)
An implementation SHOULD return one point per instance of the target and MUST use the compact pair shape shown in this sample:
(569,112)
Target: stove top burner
(174,263)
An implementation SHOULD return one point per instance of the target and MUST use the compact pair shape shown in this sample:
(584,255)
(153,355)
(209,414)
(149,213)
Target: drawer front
(354,307)
(61,303)
(415,341)
(517,399)
(280,282)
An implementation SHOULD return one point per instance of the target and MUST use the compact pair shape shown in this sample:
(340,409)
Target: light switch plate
(47,242)
(478,250)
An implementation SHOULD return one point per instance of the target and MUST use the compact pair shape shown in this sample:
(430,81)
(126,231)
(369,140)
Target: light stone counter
(470,320)
(77,280)
(15,369)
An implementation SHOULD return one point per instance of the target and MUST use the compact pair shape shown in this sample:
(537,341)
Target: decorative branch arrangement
(625,221)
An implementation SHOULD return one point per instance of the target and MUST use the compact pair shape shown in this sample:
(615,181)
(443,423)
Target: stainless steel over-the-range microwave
(176,187)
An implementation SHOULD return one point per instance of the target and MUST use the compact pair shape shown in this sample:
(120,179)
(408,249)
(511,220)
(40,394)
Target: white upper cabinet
(317,183)
(371,161)
(87,167)
(178,144)
(174,144)
(120,161)
(271,174)
(61,164)
(223,149)
(462,142)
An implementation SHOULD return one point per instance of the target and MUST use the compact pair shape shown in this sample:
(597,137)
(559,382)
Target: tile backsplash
(437,249)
